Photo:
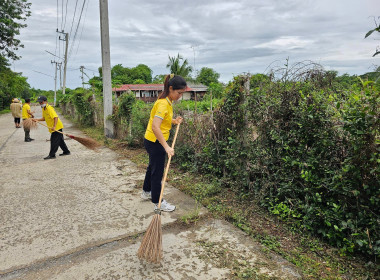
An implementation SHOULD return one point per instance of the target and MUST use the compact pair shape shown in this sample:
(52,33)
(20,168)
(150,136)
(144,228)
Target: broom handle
(167,168)
(51,128)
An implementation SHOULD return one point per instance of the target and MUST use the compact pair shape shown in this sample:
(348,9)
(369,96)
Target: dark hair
(175,81)
(27,100)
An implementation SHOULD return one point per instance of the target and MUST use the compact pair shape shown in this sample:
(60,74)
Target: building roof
(140,87)
(159,87)
(197,86)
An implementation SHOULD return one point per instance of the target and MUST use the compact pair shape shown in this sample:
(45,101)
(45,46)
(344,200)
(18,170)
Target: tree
(377,28)
(142,72)
(11,85)
(207,76)
(12,11)
(175,66)
(216,89)
(159,79)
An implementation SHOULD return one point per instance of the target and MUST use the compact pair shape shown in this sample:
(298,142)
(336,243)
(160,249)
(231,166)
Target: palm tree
(175,67)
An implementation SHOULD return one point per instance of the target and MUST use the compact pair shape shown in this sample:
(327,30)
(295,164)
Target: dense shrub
(308,148)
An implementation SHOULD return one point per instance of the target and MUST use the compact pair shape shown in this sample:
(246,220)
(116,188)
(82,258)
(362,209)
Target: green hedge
(309,149)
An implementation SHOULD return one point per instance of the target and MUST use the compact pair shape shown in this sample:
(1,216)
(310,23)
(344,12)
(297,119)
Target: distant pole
(195,74)
(60,75)
(106,68)
(55,81)
(66,39)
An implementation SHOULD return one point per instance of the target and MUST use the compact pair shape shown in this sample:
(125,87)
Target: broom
(87,142)
(29,124)
(151,245)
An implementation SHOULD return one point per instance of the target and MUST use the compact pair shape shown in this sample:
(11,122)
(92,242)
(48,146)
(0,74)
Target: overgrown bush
(303,145)
(81,100)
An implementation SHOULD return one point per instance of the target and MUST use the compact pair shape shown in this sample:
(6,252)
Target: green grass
(5,111)
(191,218)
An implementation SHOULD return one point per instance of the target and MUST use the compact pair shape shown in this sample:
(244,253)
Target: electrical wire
(56,35)
(76,30)
(72,23)
(62,16)
(43,73)
(64,25)
(84,20)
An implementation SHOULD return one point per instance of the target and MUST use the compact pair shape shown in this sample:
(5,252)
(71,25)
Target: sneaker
(165,206)
(49,157)
(146,195)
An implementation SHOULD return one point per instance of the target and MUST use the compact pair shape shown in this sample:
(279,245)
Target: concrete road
(81,217)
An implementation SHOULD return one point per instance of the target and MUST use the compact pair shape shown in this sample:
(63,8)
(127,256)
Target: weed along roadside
(289,159)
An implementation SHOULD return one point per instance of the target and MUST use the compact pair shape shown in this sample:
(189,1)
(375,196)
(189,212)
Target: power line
(84,20)
(72,23)
(62,16)
(53,54)
(91,69)
(64,25)
(76,30)
(56,36)
(43,73)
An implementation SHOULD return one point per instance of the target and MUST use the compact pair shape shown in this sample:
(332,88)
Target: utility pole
(81,70)
(55,81)
(66,39)
(60,74)
(106,68)
(193,47)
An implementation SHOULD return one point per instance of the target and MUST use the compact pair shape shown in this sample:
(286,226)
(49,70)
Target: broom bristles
(87,142)
(29,124)
(151,245)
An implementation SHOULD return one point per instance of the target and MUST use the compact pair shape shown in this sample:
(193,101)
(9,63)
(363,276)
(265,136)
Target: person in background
(54,123)
(156,135)
(16,108)
(26,114)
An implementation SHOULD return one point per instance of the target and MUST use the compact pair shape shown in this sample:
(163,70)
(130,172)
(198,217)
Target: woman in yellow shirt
(156,135)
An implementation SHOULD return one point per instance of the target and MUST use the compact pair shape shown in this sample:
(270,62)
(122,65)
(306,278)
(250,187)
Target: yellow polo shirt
(25,109)
(162,109)
(48,113)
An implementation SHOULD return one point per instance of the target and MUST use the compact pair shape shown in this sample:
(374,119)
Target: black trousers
(56,140)
(155,170)
(17,120)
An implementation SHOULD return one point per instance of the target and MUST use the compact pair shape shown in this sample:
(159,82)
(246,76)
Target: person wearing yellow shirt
(26,114)
(156,135)
(54,123)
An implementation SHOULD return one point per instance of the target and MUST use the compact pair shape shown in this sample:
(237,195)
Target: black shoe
(31,139)
(65,154)
(49,157)
(28,140)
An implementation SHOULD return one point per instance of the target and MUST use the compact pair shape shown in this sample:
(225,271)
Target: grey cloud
(230,36)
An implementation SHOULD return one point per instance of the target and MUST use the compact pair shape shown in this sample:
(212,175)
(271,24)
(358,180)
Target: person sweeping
(156,135)
(27,114)
(55,128)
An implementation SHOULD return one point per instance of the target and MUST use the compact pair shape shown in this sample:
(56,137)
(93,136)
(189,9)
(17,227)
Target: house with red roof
(150,92)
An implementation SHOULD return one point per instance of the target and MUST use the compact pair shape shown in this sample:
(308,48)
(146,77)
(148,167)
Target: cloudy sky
(232,37)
